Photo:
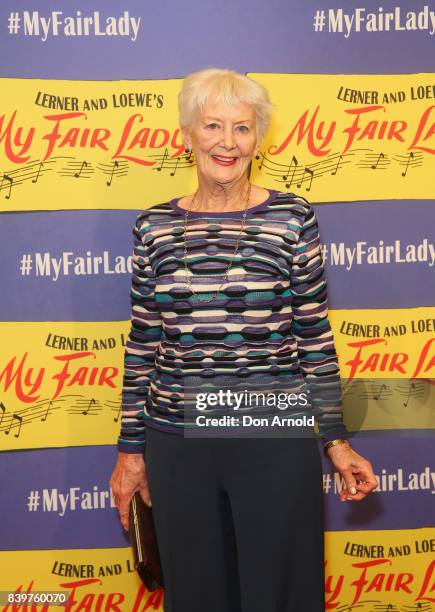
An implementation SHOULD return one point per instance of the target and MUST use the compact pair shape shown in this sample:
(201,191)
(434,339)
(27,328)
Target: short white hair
(222,85)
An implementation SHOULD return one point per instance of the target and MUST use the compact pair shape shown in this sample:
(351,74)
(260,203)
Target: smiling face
(224,140)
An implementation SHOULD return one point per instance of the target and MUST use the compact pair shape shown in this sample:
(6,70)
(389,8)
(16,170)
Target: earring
(187,150)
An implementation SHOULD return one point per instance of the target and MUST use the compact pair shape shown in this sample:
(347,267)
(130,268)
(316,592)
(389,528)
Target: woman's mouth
(222,160)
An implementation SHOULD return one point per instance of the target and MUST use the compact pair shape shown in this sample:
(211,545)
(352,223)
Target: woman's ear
(186,139)
(258,146)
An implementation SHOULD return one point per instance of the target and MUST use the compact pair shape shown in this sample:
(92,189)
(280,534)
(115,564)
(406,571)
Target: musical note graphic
(374,390)
(173,163)
(299,171)
(310,174)
(340,158)
(296,171)
(10,181)
(84,164)
(71,404)
(117,414)
(77,169)
(85,406)
(411,155)
(115,165)
(18,176)
(35,180)
(412,389)
(374,161)
(378,396)
(411,161)
(44,418)
(163,160)
(418,606)
(115,406)
(19,419)
(91,403)
(262,160)
(26,415)
(31,172)
(176,166)
(294,163)
(410,392)
(116,169)
(381,155)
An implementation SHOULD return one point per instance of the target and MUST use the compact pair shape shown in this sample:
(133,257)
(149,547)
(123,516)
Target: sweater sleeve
(312,331)
(140,349)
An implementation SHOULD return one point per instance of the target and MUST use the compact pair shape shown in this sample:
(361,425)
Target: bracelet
(335,443)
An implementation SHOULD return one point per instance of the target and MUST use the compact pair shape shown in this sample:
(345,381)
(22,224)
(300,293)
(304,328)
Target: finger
(346,496)
(370,482)
(365,472)
(351,485)
(124,512)
(145,494)
(366,487)
(124,519)
(363,490)
(362,479)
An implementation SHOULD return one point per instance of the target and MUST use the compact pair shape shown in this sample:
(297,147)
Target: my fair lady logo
(72,370)
(367,126)
(372,355)
(369,580)
(68,132)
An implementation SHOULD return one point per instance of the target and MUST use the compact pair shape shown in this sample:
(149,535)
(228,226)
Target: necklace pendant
(232,259)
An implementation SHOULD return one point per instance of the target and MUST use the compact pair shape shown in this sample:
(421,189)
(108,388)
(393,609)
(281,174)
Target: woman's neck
(213,197)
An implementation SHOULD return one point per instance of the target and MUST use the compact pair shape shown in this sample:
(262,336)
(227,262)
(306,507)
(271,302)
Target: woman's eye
(243,128)
(212,125)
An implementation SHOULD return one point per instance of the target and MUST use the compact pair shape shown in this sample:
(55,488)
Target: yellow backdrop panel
(349,137)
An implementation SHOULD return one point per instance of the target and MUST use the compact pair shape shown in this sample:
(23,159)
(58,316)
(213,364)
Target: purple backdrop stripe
(176,38)
(32,294)
(61,499)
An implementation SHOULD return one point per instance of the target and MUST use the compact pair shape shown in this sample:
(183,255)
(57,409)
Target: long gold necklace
(189,282)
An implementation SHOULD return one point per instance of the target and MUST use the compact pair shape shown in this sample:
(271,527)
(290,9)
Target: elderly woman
(228,286)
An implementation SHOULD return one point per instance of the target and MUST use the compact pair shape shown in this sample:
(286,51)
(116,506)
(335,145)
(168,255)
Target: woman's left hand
(356,471)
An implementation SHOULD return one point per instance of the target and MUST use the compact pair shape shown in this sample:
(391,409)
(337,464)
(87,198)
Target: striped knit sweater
(269,318)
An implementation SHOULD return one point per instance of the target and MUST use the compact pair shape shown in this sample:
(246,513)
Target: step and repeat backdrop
(83,150)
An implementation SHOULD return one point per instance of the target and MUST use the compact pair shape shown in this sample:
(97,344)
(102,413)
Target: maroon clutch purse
(144,543)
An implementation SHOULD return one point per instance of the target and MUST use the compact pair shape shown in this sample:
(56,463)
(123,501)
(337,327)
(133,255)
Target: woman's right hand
(128,477)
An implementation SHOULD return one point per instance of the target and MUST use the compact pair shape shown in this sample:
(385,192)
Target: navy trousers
(239,522)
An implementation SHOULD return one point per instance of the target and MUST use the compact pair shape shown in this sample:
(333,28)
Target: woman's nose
(228,138)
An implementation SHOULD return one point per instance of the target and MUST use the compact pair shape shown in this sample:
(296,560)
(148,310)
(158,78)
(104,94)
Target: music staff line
(32,171)
(376,605)
(29,172)
(299,173)
(293,173)
(173,163)
(370,389)
(72,404)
